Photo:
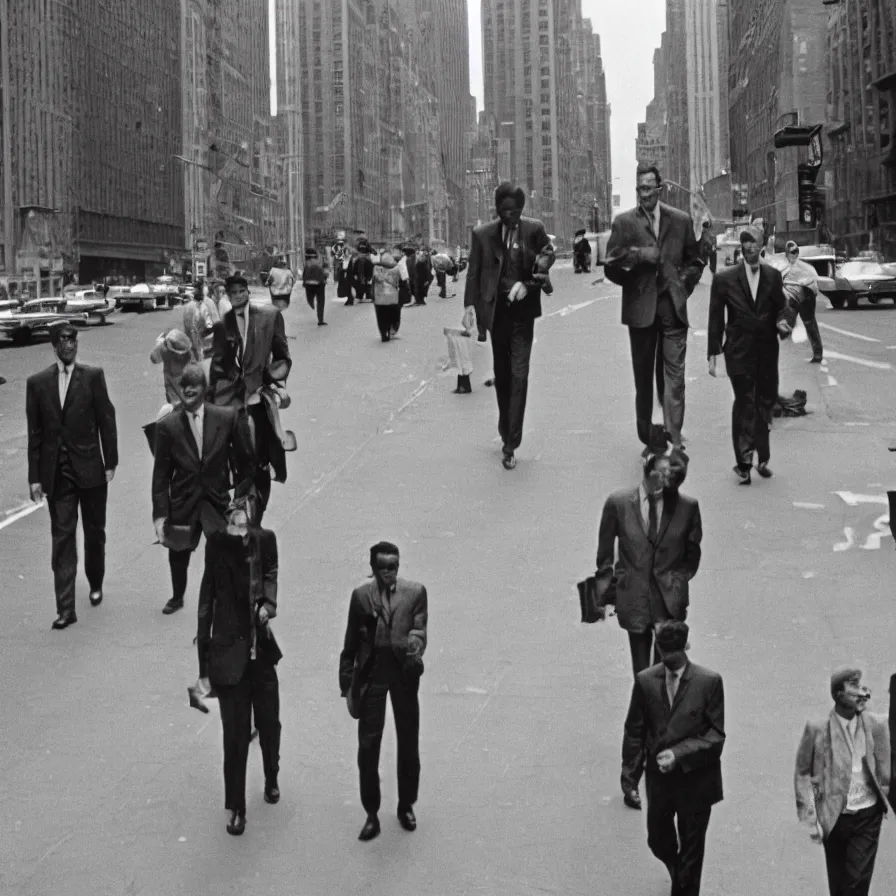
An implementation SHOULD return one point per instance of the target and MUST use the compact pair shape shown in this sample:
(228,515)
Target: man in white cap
(842,781)
(749,312)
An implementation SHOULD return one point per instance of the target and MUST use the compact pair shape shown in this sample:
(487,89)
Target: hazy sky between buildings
(629,32)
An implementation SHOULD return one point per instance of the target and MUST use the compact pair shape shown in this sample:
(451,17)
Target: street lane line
(568,309)
(847,333)
(805,505)
(877,365)
(24,510)
(853,500)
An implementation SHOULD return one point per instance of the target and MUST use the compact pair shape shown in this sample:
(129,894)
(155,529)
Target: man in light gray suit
(654,256)
(842,781)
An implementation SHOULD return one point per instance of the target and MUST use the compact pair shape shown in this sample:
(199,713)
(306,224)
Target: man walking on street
(748,312)
(314,279)
(238,653)
(675,731)
(842,782)
(654,256)
(506,292)
(656,533)
(383,655)
(195,446)
(280,283)
(72,458)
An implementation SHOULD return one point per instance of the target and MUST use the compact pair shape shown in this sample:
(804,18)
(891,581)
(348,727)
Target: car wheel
(874,300)
(22,336)
(852,302)
(836,301)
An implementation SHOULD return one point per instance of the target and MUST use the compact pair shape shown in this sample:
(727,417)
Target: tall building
(861,174)
(650,146)
(539,81)
(776,79)
(678,143)
(91,118)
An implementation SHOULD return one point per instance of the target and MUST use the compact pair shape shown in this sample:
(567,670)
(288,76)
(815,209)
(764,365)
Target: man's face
(193,392)
(238,295)
(854,697)
(67,348)
(673,659)
(648,191)
(659,475)
(509,212)
(385,570)
(750,250)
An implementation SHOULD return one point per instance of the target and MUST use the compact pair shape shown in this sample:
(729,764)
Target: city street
(110,785)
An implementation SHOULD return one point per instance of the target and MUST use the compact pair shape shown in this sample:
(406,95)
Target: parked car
(36,315)
(142,297)
(173,289)
(869,280)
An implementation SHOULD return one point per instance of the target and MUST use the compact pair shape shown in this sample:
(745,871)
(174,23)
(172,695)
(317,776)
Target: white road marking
(804,505)
(882,527)
(853,500)
(877,365)
(20,512)
(848,333)
(857,423)
(568,309)
(850,540)
(831,381)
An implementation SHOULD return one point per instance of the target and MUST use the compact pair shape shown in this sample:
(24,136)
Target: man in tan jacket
(842,780)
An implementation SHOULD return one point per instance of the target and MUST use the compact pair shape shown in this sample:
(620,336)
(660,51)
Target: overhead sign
(201,245)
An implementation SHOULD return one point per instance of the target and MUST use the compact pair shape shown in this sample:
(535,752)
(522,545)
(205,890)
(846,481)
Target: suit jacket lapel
(56,400)
(745,285)
(840,750)
(210,427)
(670,503)
(683,683)
(762,288)
(74,382)
(497,241)
(665,223)
(636,510)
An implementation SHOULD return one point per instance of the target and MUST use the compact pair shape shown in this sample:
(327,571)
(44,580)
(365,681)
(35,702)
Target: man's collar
(63,367)
(749,267)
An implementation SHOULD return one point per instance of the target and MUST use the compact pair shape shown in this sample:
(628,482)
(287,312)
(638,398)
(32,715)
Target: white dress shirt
(645,507)
(752,279)
(654,218)
(861,791)
(65,378)
(197,424)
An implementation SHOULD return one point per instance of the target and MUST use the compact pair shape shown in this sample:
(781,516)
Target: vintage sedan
(143,297)
(863,279)
(35,316)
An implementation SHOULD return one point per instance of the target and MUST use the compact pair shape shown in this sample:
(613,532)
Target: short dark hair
(382,547)
(235,280)
(672,635)
(652,461)
(194,373)
(643,169)
(506,190)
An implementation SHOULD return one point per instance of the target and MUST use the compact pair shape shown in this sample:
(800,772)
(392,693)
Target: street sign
(201,245)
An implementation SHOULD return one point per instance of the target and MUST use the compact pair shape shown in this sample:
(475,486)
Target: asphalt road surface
(110,785)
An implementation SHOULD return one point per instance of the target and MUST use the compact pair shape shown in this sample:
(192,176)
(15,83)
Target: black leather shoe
(509,461)
(172,606)
(271,792)
(371,828)
(763,470)
(64,620)
(743,476)
(96,597)
(632,799)
(407,819)
(237,823)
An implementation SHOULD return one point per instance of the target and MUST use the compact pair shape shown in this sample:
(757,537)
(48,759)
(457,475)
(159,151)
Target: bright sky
(629,33)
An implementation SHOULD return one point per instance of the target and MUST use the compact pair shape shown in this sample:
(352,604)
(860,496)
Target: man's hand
(263,617)
(666,761)
(815,832)
(784,328)
(110,475)
(649,254)
(37,493)
(517,292)
(713,371)
(160,528)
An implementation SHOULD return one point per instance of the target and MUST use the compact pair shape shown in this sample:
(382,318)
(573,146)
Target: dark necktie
(651,518)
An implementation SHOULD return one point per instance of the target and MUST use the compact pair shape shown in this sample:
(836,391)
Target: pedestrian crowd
(218,444)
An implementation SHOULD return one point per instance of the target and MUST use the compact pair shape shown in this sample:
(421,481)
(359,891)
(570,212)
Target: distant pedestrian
(174,351)
(708,246)
(386,286)
(505,291)
(72,458)
(281,281)
(748,313)
(441,264)
(422,275)
(675,731)
(382,655)
(194,449)
(842,782)
(801,289)
(199,318)
(406,273)
(654,256)
(362,272)
(239,654)
(218,293)
(314,279)
(648,550)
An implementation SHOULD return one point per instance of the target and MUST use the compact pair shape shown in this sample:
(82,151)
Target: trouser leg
(643,341)
(661,835)
(501,339)
(674,344)
(235,703)
(309,296)
(179,564)
(743,418)
(520,353)
(261,436)
(441,279)
(93,521)
(692,842)
(807,315)
(382,319)
(855,839)
(63,507)
(321,298)
(396,317)
(406,710)
(266,709)
(639,644)
(370,737)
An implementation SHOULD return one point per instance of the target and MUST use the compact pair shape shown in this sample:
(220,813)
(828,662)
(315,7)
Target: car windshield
(860,269)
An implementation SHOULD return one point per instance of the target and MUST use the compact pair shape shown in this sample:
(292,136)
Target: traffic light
(806,175)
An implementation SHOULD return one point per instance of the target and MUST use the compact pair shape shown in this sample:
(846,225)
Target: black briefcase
(591,610)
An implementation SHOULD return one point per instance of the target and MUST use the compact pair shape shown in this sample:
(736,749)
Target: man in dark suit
(239,654)
(383,655)
(191,475)
(654,256)
(506,293)
(749,311)
(72,457)
(250,351)
(656,532)
(675,730)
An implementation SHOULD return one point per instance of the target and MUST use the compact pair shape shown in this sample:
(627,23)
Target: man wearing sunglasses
(383,656)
